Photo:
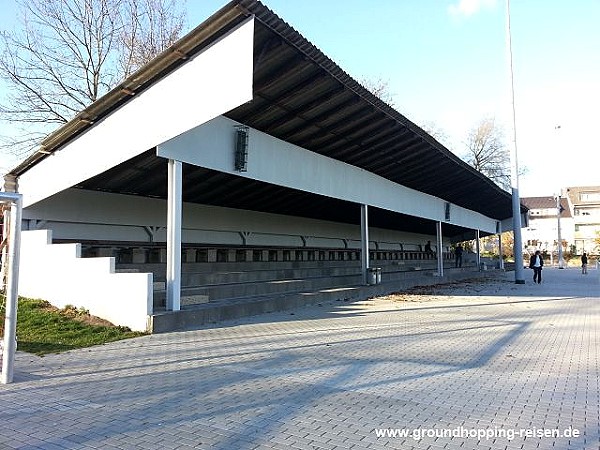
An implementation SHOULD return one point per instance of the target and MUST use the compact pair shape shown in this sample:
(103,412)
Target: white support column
(440,256)
(477,250)
(12,283)
(174,206)
(364,242)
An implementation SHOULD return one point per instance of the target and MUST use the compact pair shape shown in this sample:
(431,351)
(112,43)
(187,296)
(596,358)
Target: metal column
(500,251)
(559,210)
(477,250)
(440,256)
(12,284)
(174,205)
(514,163)
(364,242)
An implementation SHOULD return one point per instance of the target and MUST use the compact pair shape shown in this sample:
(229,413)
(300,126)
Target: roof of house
(547,203)
(576,195)
(303,97)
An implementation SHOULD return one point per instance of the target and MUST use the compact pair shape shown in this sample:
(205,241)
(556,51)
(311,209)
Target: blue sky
(446,64)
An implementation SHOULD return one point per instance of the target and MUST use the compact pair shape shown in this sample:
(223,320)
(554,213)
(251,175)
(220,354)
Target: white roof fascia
(211,83)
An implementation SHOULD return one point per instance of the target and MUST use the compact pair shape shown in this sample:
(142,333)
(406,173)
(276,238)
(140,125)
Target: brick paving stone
(480,355)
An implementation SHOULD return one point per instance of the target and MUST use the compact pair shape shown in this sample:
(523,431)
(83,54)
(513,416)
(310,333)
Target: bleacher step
(194,316)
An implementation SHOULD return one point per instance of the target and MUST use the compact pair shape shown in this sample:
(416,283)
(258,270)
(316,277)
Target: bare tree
(379,88)
(153,25)
(487,153)
(69,53)
(436,132)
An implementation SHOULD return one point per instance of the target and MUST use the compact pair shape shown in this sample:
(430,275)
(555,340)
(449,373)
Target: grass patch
(43,328)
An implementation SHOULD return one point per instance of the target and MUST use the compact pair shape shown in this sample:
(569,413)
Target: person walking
(428,250)
(536,262)
(458,251)
(584,263)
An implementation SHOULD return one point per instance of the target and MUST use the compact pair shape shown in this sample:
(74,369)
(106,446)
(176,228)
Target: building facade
(584,202)
(579,222)
(543,225)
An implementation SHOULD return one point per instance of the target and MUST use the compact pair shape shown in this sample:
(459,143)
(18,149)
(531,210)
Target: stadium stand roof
(302,97)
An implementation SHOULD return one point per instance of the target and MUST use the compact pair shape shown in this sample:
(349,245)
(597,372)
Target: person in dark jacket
(584,263)
(536,262)
(428,250)
(458,251)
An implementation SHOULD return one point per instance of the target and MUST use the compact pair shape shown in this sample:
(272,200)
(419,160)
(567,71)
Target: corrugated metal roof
(303,97)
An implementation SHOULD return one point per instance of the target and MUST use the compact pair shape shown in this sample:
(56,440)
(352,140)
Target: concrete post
(140,255)
(162,255)
(190,255)
(212,255)
(231,255)
(106,251)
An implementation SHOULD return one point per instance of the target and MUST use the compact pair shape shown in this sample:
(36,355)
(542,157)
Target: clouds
(467,8)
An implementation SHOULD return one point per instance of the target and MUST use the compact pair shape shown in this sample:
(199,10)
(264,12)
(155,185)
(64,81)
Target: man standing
(428,250)
(584,263)
(536,262)
(458,251)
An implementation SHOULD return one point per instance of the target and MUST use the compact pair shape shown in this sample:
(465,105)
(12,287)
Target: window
(589,196)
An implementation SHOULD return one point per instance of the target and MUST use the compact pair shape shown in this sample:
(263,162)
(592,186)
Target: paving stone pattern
(483,355)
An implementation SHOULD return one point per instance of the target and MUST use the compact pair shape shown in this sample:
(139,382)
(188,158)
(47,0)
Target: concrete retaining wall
(58,274)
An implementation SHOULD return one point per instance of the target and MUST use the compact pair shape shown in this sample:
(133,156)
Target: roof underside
(302,97)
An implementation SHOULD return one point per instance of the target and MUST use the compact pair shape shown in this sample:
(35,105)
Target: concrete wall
(57,273)
(86,215)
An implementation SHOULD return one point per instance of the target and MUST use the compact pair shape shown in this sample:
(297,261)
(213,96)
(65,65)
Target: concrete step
(234,308)
(204,287)
(214,292)
(203,278)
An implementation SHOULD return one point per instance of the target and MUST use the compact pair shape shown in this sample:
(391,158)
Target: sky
(446,65)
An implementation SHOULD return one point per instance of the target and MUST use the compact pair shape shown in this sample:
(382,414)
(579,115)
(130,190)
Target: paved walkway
(514,362)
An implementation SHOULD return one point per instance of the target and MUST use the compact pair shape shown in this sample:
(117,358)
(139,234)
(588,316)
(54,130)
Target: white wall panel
(81,214)
(213,82)
(57,273)
(272,160)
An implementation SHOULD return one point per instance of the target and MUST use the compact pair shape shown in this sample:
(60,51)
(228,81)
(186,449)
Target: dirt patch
(78,314)
(88,319)
(437,291)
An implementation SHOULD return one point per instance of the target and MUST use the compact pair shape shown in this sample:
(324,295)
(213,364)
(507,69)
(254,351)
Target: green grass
(43,329)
